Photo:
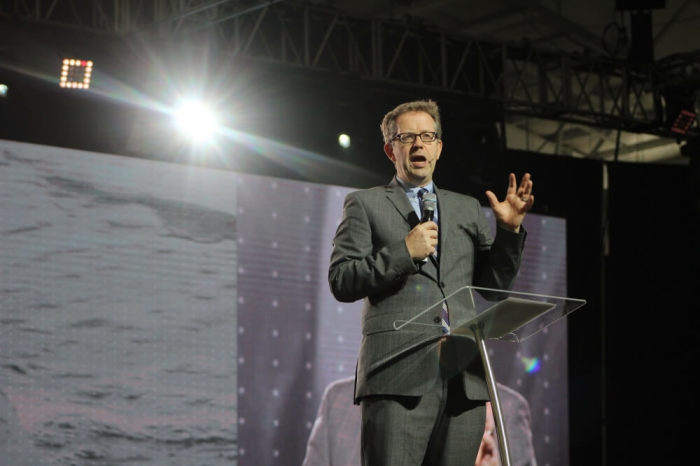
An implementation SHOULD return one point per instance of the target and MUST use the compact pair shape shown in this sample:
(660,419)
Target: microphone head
(428,206)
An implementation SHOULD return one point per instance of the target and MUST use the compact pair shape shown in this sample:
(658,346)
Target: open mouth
(419,160)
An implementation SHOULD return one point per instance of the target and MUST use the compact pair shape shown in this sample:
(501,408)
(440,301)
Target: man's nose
(418,142)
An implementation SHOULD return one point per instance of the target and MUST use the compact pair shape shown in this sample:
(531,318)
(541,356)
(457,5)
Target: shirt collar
(413,189)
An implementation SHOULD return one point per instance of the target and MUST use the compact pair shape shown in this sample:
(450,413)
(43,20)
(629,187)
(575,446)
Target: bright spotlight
(76,74)
(344,141)
(196,120)
(3,90)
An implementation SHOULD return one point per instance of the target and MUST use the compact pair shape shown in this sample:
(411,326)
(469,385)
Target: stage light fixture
(196,120)
(344,141)
(683,121)
(75,73)
(4,90)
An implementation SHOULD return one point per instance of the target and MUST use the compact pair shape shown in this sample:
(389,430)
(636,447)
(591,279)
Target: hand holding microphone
(422,240)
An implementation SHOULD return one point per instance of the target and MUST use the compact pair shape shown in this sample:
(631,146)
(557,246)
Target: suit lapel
(397,197)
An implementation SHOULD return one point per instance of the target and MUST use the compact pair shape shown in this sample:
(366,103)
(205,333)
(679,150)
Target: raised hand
(519,199)
(488,450)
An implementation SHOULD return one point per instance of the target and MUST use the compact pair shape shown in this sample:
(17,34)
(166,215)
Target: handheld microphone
(428,205)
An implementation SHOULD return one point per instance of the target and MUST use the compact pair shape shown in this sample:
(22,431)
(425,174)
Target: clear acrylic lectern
(484,313)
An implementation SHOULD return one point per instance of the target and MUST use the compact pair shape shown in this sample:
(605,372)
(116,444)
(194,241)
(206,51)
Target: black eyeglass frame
(410,138)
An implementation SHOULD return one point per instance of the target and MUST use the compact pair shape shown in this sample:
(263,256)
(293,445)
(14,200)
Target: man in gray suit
(422,392)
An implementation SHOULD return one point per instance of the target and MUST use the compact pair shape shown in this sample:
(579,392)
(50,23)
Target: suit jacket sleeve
(318,446)
(497,260)
(356,269)
(335,437)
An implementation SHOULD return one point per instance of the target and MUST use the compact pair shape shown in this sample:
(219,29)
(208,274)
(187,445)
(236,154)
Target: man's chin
(419,179)
(421,172)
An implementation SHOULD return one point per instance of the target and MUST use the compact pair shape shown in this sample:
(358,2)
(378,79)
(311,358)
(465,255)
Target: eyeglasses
(410,138)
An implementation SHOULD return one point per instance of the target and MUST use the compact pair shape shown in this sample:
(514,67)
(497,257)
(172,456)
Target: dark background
(633,249)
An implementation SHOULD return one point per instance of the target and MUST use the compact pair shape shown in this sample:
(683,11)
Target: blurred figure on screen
(488,450)
(517,417)
(335,437)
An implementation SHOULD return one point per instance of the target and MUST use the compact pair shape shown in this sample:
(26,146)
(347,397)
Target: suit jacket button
(436,319)
(442,284)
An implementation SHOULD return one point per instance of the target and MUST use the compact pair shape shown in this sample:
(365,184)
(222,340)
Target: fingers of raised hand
(524,191)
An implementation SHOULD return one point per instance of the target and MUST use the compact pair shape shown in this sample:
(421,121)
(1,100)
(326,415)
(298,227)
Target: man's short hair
(388,125)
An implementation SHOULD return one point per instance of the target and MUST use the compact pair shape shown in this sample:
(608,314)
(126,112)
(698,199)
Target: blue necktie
(445,318)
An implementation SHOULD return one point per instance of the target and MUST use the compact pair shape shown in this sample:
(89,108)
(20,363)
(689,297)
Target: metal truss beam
(595,91)
(103,15)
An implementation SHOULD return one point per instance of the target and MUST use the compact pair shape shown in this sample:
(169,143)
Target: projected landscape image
(118,309)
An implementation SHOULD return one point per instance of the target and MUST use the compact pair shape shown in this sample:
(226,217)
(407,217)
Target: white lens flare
(196,120)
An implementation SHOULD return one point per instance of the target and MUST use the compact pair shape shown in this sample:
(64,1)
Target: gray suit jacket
(370,261)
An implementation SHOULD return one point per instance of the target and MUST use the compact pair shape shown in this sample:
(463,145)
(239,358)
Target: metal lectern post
(495,400)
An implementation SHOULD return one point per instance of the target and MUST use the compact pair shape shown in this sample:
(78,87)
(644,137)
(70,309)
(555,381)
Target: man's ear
(389,151)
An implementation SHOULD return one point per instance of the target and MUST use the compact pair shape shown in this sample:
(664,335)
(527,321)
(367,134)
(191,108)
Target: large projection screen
(156,313)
